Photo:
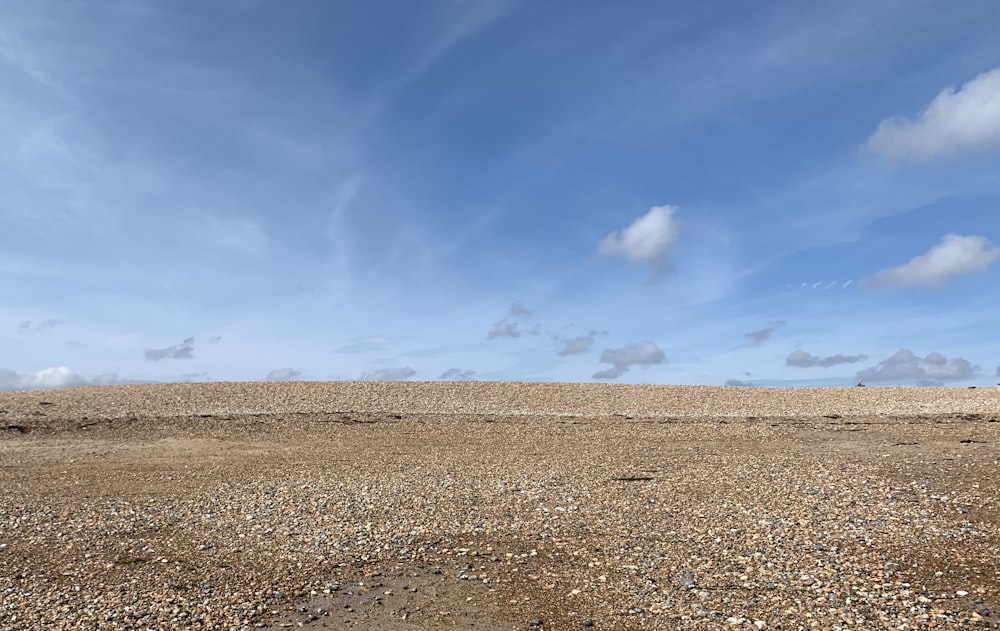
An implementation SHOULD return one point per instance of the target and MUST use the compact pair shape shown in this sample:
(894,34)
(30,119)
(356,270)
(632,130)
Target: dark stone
(586,622)
(535,622)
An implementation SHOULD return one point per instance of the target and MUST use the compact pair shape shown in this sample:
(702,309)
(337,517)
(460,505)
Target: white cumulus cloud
(967,119)
(646,240)
(644,353)
(955,254)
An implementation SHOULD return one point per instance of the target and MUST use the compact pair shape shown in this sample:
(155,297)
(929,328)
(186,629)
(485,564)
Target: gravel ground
(498,506)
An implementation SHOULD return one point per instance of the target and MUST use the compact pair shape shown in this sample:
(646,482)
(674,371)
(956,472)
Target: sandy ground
(499,506)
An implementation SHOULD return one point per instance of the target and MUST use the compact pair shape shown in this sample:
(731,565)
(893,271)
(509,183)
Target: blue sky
(770,193)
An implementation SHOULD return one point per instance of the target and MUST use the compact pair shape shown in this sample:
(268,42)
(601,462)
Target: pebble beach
(467,505)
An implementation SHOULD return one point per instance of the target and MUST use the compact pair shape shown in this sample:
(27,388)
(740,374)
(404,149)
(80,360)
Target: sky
(771,193)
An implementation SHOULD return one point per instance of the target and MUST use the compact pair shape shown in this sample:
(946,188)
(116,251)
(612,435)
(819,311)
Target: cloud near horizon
(967,119)
(283,374)
(457,374)
(802,359)
(645,240)
(904,365)
(181,350)
(388,374)
(55,377)
(644,353)
(954,255)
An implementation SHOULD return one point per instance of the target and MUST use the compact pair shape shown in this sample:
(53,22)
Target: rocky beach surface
(488,506)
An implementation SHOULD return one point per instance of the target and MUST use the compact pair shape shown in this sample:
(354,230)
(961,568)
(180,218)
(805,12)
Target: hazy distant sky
(772,193)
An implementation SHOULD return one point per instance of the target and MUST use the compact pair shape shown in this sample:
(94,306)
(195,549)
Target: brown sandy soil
(490,506)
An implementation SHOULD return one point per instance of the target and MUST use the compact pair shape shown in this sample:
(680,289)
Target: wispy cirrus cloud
(447,29)
(825,286)
(953,256)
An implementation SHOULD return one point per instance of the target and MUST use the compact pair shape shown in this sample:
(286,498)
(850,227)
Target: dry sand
(497,505)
